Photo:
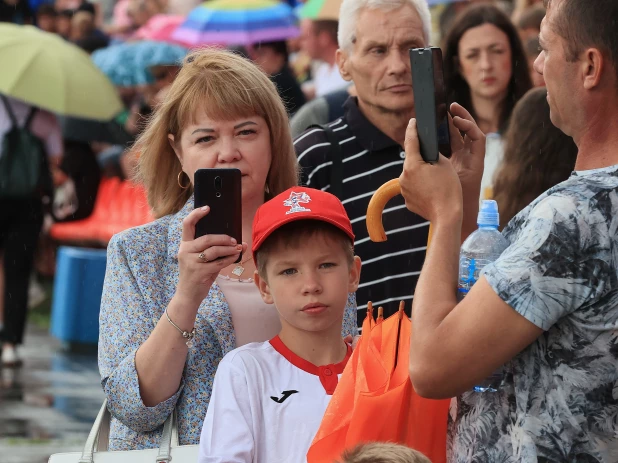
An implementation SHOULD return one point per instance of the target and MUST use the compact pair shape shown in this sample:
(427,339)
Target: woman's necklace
(239,269)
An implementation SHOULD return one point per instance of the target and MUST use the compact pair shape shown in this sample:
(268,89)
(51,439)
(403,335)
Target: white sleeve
(227,434)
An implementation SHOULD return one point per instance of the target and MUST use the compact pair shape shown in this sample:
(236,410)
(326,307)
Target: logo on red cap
(295,200)
(289,206)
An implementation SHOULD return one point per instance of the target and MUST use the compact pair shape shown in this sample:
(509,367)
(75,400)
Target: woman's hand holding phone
(201,259)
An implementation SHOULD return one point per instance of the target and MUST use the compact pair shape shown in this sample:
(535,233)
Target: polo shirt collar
(368,135)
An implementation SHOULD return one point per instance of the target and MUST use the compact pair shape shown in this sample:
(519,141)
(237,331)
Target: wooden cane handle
(376,206)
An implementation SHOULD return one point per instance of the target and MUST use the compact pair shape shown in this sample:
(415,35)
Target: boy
(269,398)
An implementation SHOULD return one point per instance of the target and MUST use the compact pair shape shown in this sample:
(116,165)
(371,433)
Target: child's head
(303,252)
(82,25)
(63,23)
(378,452)
(46,17)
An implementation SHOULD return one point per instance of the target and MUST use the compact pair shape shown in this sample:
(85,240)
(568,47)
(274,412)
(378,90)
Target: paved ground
(49,404)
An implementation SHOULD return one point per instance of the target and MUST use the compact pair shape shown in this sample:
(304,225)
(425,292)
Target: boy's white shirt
(245,424)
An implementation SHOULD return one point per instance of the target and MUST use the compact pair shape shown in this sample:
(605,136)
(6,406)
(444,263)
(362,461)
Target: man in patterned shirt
(547,309)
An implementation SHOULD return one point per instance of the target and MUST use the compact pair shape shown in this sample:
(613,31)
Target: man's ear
(355,270)
(343,61)
(262,286)
(593,64)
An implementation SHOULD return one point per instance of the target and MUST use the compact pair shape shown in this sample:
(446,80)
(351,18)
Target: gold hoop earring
(180,184)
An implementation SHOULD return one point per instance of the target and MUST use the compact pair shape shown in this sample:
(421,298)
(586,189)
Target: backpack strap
(31,115)
(9,110)
(335,101)
(336,156)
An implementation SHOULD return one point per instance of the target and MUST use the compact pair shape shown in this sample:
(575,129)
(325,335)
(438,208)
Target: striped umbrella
(238,22)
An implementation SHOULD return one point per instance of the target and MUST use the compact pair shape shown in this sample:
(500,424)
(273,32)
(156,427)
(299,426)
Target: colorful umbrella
(320,10)
(375,401)
(44,70)
(128,64)
(238,22)
(159,28)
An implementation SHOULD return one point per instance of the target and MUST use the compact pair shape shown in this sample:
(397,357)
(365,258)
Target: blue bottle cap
(488,214)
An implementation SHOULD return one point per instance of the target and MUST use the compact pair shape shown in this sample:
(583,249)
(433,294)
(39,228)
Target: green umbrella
(44,70)
(320,10)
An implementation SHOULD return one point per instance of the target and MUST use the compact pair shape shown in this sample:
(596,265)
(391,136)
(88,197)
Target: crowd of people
(212,327)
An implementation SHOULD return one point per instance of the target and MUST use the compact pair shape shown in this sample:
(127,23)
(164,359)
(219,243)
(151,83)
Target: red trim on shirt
(326,373)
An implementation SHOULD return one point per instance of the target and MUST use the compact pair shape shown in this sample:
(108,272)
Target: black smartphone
(430,103)
(220,189)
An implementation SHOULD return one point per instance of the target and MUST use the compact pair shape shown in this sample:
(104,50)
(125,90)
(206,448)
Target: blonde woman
(221,111)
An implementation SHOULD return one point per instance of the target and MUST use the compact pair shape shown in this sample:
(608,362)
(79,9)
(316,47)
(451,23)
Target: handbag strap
(169,438)
(336,156)
(99,437)
(100,429)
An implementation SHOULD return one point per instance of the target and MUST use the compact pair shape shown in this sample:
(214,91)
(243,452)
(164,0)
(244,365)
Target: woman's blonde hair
(227,87)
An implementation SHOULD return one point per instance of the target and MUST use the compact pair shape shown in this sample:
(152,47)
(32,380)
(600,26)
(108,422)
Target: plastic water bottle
(482,247)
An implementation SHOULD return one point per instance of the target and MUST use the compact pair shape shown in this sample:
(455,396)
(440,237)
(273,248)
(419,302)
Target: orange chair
(130,210)
(119,205)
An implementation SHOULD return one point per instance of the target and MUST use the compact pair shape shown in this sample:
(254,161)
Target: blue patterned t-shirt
(559,398)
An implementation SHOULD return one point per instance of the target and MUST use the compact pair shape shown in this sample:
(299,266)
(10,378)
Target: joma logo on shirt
(285,395)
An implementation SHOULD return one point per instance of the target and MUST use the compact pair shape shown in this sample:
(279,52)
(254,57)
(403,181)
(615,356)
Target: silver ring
(201,256)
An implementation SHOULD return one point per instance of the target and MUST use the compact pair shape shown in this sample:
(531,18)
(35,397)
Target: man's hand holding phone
(438,191)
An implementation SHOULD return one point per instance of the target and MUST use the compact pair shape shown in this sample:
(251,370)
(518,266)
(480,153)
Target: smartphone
(430,103)
(220,189)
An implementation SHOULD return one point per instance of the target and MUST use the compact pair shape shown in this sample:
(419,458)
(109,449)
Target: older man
(547,309)
(374,39)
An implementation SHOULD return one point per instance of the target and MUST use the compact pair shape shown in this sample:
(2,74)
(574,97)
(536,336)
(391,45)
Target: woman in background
(486,71)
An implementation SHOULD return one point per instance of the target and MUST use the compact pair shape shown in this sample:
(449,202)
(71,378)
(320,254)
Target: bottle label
(468,277)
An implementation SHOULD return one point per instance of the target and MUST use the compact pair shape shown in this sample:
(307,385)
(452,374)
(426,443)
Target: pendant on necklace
(238,270)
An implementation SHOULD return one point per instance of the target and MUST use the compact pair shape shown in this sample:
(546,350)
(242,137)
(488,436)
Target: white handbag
(99,439)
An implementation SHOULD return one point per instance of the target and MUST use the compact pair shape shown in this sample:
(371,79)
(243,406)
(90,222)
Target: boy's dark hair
(46,9)
(583,23)
(382,452)
(330,26)
(520,82)
(531,18)
(292,234)
(537,156)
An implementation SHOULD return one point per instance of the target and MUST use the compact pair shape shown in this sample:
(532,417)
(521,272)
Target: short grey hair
(350,11)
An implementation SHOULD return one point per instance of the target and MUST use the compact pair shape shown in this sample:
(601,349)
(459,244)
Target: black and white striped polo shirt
(370,158)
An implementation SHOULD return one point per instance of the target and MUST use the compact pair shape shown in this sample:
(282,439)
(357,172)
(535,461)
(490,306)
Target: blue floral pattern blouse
(141,278)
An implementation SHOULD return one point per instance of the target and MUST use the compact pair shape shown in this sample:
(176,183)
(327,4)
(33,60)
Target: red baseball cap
(298,203)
